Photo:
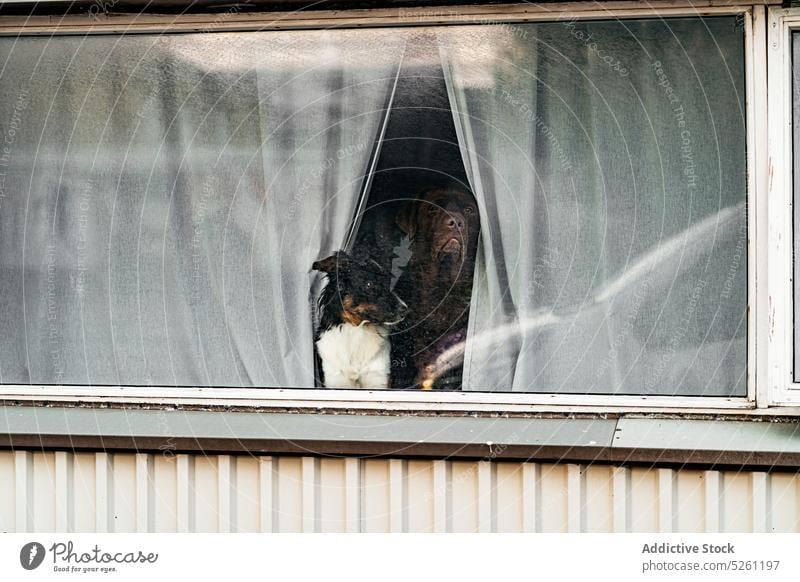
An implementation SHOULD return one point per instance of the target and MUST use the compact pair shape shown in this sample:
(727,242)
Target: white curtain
(163,198)
(324,99)
(608,159)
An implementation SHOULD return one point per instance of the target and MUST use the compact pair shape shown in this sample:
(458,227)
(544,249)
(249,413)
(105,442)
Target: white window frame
(783,390)
(761,309)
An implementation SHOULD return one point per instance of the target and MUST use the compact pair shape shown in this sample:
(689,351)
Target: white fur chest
(355,356)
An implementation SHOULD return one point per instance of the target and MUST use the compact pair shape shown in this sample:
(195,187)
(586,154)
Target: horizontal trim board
(737,460)
(264,398)
(133,22)
(687,435)
(303,427)
(624,440)
(361,5)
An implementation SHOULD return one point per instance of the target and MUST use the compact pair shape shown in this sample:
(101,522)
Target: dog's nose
(453,222)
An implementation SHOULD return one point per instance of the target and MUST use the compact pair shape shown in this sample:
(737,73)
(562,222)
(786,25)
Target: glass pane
(163,198)
(608,159)
(560,206)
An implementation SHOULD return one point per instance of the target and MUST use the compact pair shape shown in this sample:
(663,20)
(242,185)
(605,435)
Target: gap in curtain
(419,152)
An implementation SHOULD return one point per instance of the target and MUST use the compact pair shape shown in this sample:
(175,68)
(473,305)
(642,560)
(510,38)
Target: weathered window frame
(782,388)
(762,328)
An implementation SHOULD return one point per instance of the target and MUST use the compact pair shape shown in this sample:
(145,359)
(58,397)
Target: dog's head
(358,291)
(444,225)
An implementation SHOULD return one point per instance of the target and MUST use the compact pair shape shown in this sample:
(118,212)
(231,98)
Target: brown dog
(443,226)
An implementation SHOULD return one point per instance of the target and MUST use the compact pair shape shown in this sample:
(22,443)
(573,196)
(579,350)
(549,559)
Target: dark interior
(419,152)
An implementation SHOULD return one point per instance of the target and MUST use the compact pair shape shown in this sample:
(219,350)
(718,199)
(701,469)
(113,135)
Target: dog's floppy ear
(331,264)
(406,219)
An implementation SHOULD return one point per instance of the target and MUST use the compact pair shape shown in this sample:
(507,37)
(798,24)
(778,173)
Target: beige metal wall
(144,492)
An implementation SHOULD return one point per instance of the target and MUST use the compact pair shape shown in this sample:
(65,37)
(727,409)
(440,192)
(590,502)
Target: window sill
(400,401)
(753,443)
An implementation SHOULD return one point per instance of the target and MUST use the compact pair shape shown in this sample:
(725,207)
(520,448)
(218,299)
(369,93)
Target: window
(164,197)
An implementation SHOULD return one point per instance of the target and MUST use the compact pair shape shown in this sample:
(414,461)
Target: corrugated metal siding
(84,492)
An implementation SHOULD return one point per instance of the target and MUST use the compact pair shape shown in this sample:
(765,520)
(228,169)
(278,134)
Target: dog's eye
(469,210)
(433,209)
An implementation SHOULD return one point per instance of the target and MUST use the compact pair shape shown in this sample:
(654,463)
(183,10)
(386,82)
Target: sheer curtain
(163,198)
(609,162)
(323,104)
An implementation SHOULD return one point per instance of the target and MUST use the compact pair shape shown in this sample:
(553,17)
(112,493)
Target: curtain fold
(320,117)
(609,163)
(493,314)
(163,198)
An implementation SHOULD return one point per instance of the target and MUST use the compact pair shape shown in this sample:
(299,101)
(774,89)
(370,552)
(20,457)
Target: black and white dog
(356,309)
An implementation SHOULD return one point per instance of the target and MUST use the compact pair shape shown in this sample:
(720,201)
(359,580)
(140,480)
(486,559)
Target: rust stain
(770,173)
(771,316)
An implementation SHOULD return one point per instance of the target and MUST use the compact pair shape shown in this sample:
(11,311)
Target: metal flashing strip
(651,441)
